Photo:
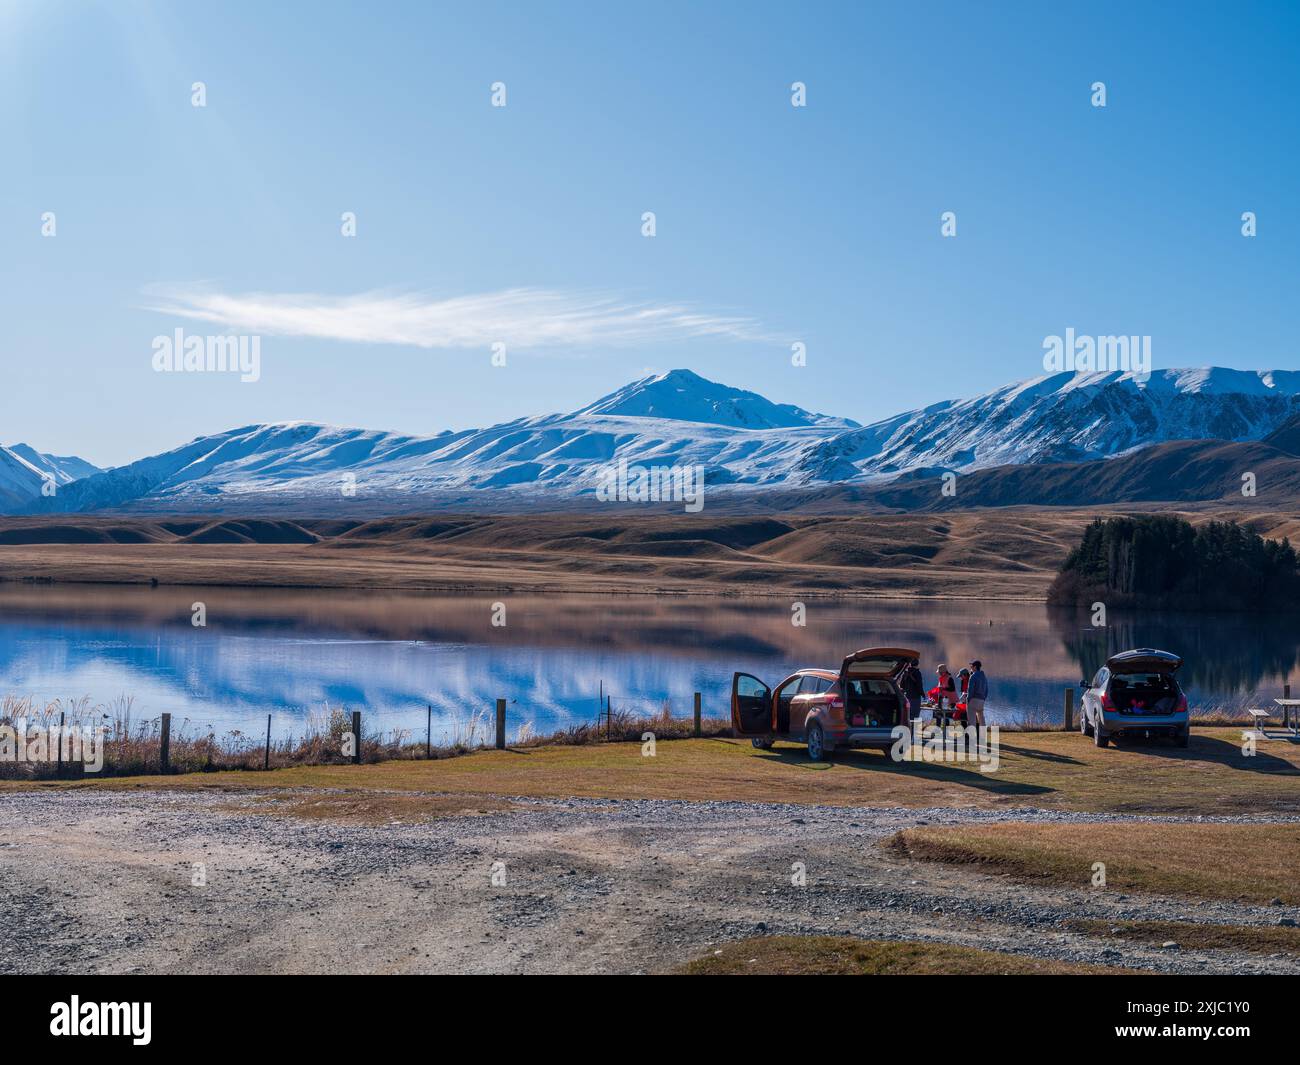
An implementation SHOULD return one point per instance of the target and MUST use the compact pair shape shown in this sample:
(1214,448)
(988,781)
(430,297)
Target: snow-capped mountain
(1060,418)
(63,468)
(687,397)
(556,456)
(741,440)
(24,471)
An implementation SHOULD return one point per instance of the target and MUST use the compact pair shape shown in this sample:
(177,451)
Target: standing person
(913,687)
(977,690)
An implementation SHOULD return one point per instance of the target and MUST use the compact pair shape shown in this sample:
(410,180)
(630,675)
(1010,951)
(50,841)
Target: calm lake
(293,653)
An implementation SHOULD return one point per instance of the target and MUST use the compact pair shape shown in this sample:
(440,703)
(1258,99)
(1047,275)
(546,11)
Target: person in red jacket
(946,688)
(963,679)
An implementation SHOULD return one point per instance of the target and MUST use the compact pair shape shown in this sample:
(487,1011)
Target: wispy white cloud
(521,318)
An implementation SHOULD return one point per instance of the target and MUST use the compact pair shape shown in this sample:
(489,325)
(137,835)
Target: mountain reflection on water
(292,652)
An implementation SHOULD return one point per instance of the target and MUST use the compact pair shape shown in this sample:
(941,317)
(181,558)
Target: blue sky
(774,223)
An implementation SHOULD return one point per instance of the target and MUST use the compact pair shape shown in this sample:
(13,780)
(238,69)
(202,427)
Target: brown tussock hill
(994,553)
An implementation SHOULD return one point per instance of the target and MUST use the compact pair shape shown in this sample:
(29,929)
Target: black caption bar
(145,1014)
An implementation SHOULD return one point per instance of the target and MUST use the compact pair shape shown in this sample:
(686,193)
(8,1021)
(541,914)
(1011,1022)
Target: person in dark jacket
(913,687)
(977,690)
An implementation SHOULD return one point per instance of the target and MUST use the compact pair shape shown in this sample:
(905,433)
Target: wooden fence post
(501,724)
(697,715)
(165,755)
(1069,709)
(356,737)
(266,758)
(59,743)
(428,734)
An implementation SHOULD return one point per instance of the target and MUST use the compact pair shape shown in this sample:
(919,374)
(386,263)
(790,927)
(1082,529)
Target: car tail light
(1181,708)
(1106,704)
(836,703)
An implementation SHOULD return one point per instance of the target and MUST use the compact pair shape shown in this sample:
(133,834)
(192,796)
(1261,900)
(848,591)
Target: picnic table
(944,717)
(1287,706)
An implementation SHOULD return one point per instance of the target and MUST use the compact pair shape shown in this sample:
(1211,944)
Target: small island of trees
(1166,562)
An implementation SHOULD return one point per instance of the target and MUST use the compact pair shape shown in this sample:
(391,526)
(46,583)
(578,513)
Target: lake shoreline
(572,591)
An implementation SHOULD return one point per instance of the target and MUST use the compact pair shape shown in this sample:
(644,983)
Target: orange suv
(858,706)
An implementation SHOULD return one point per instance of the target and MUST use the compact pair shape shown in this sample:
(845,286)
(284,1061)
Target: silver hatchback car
(1135,693)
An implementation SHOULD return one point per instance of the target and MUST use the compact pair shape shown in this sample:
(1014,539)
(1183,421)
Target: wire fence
(72,738)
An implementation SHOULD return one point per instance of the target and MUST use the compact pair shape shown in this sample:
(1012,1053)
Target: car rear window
(878,667)
(870,687)
(1143,680)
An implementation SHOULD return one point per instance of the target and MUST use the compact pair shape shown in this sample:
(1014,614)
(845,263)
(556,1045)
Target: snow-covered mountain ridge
(740,439)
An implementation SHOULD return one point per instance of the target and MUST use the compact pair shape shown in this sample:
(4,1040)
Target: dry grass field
(1052,770)
(659,554)
(1250,863)
(1002,554)
(1190,935)
(847,956)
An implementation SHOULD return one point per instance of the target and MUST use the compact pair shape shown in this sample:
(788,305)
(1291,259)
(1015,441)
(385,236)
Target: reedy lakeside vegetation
(1162,562)
(132,745)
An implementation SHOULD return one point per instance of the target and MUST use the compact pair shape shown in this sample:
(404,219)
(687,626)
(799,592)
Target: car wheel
(816,743)
(1084,727)
(762,743)
(1100,737)
(1183,738)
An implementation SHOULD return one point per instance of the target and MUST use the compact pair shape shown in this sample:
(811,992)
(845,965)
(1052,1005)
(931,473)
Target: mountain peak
(63,468)
(24,472)
(683,395)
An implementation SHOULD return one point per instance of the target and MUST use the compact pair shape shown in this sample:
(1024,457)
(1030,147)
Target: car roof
(813,671)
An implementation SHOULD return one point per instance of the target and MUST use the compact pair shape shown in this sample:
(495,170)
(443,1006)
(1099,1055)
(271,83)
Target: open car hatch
(1144,660)
(879,662)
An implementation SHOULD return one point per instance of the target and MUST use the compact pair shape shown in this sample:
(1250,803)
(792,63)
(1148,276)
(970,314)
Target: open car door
(751,706)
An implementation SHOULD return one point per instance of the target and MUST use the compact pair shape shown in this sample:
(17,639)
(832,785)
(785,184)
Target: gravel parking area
(105,882)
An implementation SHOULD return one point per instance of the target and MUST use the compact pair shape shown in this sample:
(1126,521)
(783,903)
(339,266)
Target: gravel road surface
(106,883)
